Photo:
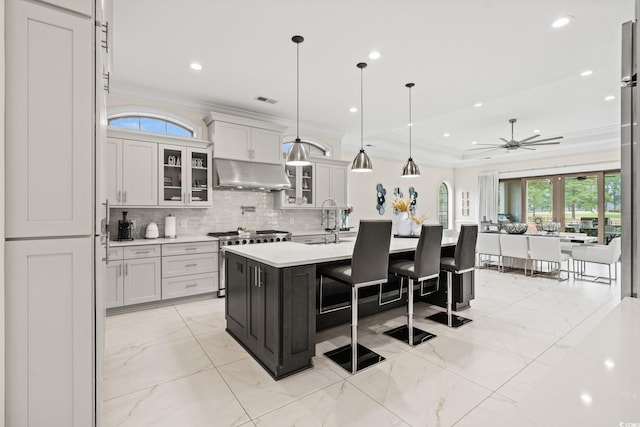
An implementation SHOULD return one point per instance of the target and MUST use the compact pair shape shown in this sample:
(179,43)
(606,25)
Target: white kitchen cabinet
(184,176)
(301,194)
(142,280)
(240,142)
(114,283)
(189,269)
(49,335)
(331,181)
(84,7)
(131,172)
(49,121)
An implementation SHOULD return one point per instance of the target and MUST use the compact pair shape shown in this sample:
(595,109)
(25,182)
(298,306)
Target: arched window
(443,205)
(151,123)
(314,148)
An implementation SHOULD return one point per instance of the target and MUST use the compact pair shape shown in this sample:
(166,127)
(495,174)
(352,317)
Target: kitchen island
(271,297)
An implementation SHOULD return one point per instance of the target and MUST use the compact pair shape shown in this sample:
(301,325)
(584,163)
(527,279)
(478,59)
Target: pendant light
(410,169)
(297,155)
(362,162)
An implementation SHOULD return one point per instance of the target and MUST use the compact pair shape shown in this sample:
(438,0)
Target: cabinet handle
(107,232)
(119,269)
(126,269)
(105,43)
(190,249)
(191,265)
(119,196)
(142,252)
(255,276)
(124,196)
(107,81)
(192,285)
(259,271)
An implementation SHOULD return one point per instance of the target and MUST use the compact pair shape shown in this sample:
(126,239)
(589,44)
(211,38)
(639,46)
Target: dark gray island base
(271,312)
(273,301)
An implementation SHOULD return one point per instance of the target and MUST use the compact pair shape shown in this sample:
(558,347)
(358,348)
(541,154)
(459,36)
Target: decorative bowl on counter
(516,228)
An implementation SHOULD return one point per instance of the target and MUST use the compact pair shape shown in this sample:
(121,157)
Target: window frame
(449,207)
(154,113)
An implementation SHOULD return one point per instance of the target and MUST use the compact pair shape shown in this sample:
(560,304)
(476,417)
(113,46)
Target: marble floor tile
(506,336)
(556,324)
(259,393)
(150,365)
(199,400)
(138,329)
(480,363)
(340,404)
(204,316)
(518,387)
(221,348)
(418,391)
(495,411)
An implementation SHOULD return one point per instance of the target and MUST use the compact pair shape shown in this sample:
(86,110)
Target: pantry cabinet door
(49,121)
(50,341)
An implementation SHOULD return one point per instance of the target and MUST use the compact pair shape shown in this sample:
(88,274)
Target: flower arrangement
(347,210)
(419,219)
(401,205)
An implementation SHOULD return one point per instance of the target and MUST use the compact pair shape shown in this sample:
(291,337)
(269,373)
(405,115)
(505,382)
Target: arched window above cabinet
(152,120)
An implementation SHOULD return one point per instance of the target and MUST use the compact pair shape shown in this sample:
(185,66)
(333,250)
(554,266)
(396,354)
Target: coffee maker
(125,228)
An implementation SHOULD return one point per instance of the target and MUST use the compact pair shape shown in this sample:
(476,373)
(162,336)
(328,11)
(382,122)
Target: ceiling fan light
(362,163)
(410,169)
(297,155)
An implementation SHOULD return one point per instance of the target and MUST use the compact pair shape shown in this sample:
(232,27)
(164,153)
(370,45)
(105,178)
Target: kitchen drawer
(189,248)
(189,285)
(116,254)
(143,251)
(180,265)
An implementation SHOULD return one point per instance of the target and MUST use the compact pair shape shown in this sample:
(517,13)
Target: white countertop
(162,241)
(289,254)
(319,232)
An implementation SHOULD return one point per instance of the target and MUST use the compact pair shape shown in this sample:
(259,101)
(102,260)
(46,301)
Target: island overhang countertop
(290,254)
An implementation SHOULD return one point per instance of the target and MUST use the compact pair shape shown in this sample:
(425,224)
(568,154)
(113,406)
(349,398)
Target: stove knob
(284,239)
(277,239)
(237,242)
(251,241)
(244,241)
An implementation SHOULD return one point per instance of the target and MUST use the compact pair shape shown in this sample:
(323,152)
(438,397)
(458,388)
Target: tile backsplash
(225,215)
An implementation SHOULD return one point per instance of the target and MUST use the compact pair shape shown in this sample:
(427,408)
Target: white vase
(416,228)
(404,224)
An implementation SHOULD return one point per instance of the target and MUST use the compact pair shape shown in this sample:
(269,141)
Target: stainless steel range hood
(241,175)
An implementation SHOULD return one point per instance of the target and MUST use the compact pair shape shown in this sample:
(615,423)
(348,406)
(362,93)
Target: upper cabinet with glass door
(302,191)
(184,176)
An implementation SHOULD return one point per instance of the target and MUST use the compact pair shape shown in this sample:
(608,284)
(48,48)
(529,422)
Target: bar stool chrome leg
(448,318)
(408,333)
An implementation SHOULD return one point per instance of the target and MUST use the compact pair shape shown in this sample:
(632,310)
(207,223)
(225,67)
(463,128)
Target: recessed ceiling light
(536,131)
(561,22)
(477,104)
(609,98)
(446,135)
(195,66)
(474,142)
(586,73)
(586,398)
(353,109)
(409,124)
(374,55)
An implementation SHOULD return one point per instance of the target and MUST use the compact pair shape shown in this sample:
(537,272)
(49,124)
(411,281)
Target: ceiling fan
(525,144)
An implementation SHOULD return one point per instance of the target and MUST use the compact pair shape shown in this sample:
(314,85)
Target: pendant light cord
(362,66)
(410,122)
(297,91)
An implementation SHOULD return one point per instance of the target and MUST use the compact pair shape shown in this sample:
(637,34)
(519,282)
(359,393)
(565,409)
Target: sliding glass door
(580,203)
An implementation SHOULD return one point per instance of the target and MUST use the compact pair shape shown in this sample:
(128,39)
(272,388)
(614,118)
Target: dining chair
(597,254)
(369,267)
(425,266)
(463,261)
(547,248)
(514,246)
(489,244)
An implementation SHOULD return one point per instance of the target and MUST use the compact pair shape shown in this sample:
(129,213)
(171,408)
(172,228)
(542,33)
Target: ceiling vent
(265,99)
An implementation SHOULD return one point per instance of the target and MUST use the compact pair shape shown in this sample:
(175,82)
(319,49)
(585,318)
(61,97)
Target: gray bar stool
(369,267)
(424,266)
(463,261)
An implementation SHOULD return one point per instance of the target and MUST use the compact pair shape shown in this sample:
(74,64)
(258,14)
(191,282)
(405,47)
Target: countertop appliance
(228,238)
(629,171)
(152,231)
(125,228)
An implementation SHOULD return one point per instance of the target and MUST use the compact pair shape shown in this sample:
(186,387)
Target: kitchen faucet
(324,222)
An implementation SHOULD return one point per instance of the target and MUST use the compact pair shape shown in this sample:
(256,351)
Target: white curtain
(488,196)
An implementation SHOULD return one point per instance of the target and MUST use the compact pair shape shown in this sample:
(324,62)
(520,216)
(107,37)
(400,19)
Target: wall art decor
(413,196)
(380,197)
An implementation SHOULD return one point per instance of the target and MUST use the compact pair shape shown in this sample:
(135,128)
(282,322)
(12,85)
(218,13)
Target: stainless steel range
(228,238)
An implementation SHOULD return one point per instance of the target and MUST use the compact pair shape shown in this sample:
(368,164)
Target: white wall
(363,193)
(466,179)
